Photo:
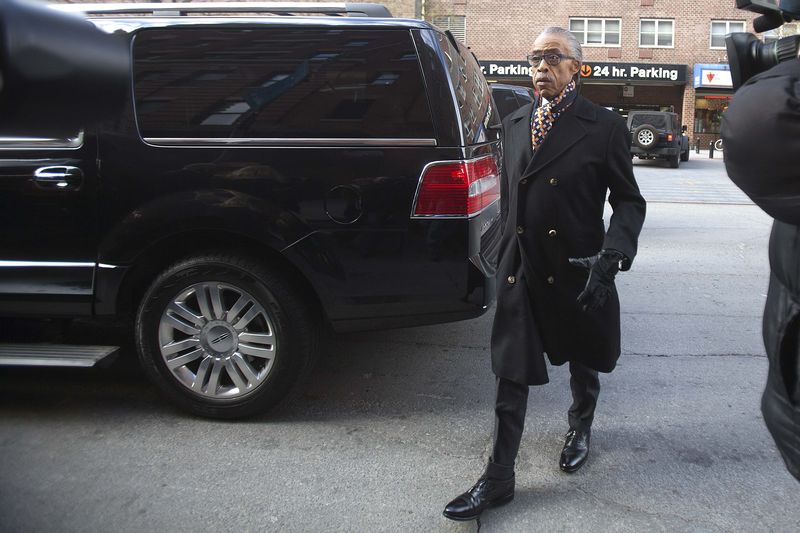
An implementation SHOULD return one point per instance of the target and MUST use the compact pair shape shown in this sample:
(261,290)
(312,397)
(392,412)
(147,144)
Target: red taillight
(458,188)
(669,137)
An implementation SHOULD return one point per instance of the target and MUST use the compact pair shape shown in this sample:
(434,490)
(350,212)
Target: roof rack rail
(347,9)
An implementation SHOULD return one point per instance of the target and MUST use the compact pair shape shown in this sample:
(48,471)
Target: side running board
(65,355)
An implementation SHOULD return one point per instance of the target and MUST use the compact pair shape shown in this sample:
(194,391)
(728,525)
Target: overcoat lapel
(520,140)
(567,131)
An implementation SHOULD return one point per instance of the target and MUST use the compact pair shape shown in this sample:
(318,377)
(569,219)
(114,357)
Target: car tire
(685,155)
(674,161)
(645,136)
(223,336)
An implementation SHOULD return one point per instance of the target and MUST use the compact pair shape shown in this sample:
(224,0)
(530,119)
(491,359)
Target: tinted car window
(509,98)
(659,121)
(505,100)
(279,82)
(472,91)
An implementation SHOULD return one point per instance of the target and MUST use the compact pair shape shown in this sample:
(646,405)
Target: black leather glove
(602,269)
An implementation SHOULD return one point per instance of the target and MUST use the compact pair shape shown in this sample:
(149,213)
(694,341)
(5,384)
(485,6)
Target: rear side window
(506,101)
(509,99)
(661,122)
(525,97)
(279,83)
(472,91)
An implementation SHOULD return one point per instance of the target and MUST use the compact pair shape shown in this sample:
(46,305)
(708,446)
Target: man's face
(547,79)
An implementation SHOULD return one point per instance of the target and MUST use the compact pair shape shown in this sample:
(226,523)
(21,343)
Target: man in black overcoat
(557,263)
(761,133)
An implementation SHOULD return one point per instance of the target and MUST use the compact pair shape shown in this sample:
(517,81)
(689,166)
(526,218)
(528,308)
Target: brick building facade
(503,31)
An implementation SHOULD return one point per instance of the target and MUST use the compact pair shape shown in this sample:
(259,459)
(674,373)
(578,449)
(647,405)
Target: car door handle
(58,177)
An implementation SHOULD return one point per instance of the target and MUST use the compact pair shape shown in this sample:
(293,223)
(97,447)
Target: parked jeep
(658,135)
(268,176)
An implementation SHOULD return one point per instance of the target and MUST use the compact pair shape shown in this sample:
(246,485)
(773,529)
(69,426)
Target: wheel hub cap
(217,340)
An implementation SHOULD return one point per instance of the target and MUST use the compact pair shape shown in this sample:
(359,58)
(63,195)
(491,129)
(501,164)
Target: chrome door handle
(58,177)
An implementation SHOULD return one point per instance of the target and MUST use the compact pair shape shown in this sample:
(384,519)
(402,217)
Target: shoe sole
(496,503)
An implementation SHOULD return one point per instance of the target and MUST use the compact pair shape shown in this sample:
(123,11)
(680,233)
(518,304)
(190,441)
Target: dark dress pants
(512,402)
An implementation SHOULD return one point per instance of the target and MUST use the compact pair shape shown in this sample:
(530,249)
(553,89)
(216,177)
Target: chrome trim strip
(41,143)
(104,265)
(130,24)
(45,264)
(245,142)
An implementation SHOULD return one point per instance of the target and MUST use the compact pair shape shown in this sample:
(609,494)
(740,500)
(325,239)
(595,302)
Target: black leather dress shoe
(487,492)
(576,450)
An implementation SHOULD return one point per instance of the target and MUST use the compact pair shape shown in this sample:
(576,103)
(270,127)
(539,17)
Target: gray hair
(575,49)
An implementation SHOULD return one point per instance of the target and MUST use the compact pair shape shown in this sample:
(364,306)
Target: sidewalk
(700,180)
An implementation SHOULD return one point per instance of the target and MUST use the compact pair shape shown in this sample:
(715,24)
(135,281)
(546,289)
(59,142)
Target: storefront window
(708,112)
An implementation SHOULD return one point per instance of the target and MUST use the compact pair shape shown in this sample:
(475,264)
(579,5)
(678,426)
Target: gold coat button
(551,280)
(512,280)
(523,181)
(553,181)
(520,230)
(552,233)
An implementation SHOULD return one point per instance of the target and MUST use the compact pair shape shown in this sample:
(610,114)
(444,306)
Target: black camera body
(747,55)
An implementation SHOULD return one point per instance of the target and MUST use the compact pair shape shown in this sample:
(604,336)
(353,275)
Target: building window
(656,33)
(455,23)
(721,28)
(596,32)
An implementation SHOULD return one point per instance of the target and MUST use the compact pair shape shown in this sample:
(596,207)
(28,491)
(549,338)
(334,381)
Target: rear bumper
(655,152)
(480,301)
(433,271)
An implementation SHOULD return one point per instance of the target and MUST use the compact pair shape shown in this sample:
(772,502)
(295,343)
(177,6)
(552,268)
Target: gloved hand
(602,269)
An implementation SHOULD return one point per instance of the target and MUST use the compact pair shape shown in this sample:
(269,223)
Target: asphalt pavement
(700,180)
(393,424)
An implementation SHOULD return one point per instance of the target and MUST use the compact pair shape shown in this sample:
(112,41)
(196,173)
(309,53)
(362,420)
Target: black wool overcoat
(762,158)
(552,209)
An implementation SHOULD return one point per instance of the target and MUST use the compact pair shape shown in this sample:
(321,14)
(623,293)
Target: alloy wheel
(217,340)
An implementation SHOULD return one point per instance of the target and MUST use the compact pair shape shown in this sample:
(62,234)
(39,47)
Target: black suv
(268,175)
(509,98)
(658,135)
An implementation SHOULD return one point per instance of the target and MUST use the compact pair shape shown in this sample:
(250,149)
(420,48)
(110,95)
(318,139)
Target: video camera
(747,55)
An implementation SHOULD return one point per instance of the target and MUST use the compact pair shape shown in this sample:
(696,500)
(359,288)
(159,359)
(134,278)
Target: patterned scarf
(546,115)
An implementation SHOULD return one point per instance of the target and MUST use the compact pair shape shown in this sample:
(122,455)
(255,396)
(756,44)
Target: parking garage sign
(592,71)
(634,72)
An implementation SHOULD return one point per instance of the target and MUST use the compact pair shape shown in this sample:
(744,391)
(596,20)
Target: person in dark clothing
(557,263)
(760,131)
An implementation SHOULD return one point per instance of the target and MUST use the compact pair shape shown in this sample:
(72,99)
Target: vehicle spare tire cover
(645,136)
